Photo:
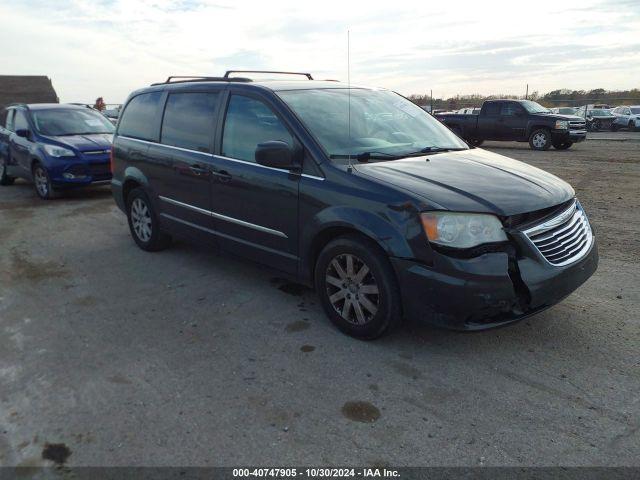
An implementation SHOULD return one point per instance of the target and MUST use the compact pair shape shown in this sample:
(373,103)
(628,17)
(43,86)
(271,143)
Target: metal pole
(431,94)
(526,95)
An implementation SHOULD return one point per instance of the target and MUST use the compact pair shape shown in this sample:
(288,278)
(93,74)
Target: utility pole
(431,95)
(526,95)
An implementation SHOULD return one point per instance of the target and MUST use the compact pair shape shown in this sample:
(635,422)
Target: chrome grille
(564,238)
(577,125)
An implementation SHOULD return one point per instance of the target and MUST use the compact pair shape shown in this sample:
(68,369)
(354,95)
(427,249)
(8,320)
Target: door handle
(222,175)
(198,170)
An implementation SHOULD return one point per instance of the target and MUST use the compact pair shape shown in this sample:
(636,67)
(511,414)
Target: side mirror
(276,154)
(22,132)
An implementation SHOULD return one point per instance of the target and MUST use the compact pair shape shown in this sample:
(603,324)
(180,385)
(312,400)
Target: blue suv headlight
(57,151)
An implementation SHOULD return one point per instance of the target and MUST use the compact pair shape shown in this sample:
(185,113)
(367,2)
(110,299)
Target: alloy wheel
(41,181)
(539,140)
(141,219)
(352,289)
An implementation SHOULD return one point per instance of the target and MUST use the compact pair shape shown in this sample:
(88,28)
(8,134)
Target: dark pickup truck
(517,120)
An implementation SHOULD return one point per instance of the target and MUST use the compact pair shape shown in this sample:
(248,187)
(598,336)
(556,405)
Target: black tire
(476,142)
(42,182)
(632,126)
(614,127)
(562,145)
(4,178)
(595,126)
(153,239)
(540,139)
(380,276)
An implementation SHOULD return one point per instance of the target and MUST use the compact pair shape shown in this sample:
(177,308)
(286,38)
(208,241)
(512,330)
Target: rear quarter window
(139,119)
(190,120)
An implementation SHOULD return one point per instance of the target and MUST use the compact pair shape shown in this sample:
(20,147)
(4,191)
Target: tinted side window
(138,119)
(249,122)
(3,118)
(492,109)
(189,120)
(510,109)
(20,122)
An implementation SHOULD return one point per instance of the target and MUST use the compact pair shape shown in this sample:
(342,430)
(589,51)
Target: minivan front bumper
(487,291)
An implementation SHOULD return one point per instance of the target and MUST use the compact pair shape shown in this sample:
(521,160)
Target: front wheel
(357,287)
(4,178)
(562,145)
(632,126)
(143,223)
(476,142)
(42,183)
(596,126)
(540,139)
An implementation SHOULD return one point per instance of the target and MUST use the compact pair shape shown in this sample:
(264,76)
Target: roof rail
(189,78)
(228,72)
(17,104)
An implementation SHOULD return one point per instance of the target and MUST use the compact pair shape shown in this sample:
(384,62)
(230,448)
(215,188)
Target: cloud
(111,47)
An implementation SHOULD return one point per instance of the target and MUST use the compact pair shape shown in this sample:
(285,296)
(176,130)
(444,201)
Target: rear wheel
(357,287)
(632,126)
(614,127)
(476,142)
(143,222)
(4,178)
(42,183)
(595,125)
(540,139)
(562,145)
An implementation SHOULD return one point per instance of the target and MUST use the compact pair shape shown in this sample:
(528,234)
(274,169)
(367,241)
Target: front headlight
(462,230)
(56,151)
(562,124)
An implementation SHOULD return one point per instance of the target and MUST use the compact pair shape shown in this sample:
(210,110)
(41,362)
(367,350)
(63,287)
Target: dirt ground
(113,356)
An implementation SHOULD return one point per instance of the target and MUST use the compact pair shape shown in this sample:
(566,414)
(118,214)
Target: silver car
(626,117)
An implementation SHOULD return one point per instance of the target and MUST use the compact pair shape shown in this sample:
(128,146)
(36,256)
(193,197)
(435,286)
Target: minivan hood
(86,143)
(473,180)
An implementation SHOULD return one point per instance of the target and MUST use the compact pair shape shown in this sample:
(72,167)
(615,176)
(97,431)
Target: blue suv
(56,146)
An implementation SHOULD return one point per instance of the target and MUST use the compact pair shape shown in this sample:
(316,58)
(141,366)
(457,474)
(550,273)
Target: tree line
(556,98)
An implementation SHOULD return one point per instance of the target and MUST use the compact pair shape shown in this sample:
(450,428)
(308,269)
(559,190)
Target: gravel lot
(188,357)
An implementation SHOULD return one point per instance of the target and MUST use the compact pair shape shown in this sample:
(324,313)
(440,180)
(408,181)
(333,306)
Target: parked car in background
(56,146)
(564,110)
(626,117)
(112,112)
(596,118)
(468,111)
(517,120)
(385,211)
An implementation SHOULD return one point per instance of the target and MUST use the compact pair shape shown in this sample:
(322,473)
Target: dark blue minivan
(353,190)
(56,146)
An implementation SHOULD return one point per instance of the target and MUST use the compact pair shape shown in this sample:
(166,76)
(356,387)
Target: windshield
(534,107)
(69,121)
(566,111)
(379,123)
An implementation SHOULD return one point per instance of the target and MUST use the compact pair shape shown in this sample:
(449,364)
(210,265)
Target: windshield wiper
(432,149)
(366,156)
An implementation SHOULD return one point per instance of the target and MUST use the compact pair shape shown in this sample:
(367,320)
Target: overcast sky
(111,47)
